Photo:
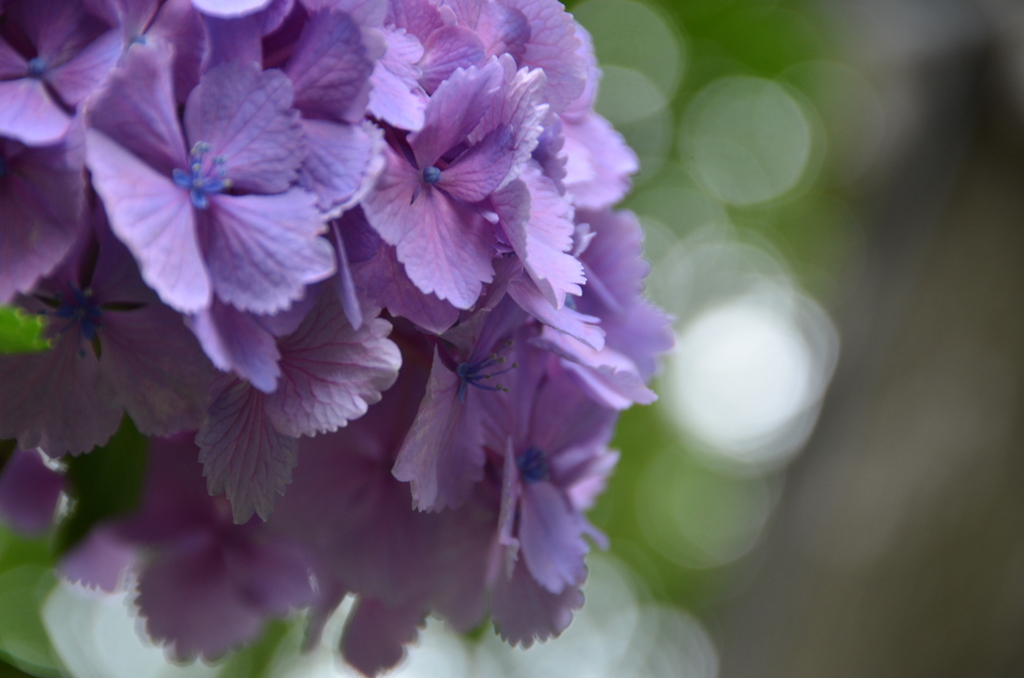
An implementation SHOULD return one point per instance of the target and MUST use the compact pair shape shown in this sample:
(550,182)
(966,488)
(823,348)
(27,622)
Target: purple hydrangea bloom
(179,210)
(29,492)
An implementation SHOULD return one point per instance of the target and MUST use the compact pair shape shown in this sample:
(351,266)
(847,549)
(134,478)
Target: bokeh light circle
(746,140)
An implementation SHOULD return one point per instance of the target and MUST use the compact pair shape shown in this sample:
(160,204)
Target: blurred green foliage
(20,332)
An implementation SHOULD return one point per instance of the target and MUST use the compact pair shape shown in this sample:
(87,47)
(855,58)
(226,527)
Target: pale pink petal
(330,372)
(154,218)
(542,237)
(243,455)
(599,163)
(264,249)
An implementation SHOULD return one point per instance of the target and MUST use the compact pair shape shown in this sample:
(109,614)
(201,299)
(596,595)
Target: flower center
(431,175)
(81,310)
(478,373)
(533,466)
(202,179)
(36,68)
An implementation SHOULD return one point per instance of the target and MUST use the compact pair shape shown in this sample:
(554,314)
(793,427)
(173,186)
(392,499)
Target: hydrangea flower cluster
(352,266)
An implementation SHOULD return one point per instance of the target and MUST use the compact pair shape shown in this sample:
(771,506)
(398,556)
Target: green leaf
(21,332)
(104,484)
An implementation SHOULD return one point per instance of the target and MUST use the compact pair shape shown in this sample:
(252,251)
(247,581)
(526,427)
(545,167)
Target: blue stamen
(200,183)
(475,374)
(431,175)
(36,67)
(138,39)
(80,310)
(533,466)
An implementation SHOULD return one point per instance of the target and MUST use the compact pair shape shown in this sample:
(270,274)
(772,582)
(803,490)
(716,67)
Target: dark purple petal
(331,66)
(331,373)
(565,319)
(245,115)
(442,456)
(264,249)
(550,533)
(524,611)
(554,47)
(375,635)
(98,561)
(42,198)
(235,342)
(243,455)
(76,79)
(28,493)
(49,400)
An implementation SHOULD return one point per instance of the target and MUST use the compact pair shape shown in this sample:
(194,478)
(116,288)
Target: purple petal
(330,68)
(365,12)
(137,109)
(154,218)
(446,49)
(418,17)
(49,400)
(384,281)
(446,246)
(342,163)
(345,284)
(42,197)
(395,95)
(264,249)
(76,79)
(28,493)
(330,372)
(235,342)
(550,533)
(524,611)
(543,239)
(375,635)
(553,47)
(235,39)
(442,456)
(230,8)
(12,64)
(478,172)
(243,455)
(565,319)
(519,107)
(190,602)
(503,29)
(600,163)
(99,561)
(29,114)
(245,115)
(454,110)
